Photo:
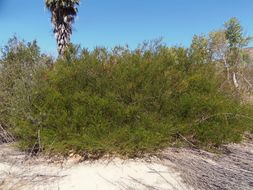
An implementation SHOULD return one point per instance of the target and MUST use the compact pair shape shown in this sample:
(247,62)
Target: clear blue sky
(113,22)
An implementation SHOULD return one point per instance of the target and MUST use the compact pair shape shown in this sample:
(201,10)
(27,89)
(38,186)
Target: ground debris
(203,170)
(5,136)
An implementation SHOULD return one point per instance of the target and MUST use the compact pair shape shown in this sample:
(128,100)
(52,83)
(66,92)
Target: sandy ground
(18,172)
(176,169)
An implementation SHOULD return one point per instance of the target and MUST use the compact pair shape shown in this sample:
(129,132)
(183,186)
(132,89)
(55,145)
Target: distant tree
(199,50)
(219,49)
(227,47)
(63,14)
(234,34)
(236,42)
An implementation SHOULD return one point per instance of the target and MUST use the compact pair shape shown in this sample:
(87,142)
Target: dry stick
(247,81)
(5,135)
(107,180)
(158,173)
(39,140)
(51,145)
(31,152)
(185,139)
(123,185)
(219,114)
(143,184)
(46,175)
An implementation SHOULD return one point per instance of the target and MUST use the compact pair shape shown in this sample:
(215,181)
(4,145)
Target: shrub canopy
(125,102)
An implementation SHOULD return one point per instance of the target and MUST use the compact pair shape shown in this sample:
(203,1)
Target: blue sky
(119,22)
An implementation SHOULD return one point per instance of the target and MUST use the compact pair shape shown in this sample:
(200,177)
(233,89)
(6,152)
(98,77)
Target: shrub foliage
(121,101)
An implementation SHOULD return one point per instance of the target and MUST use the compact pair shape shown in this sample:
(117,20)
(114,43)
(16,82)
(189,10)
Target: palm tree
(63,15)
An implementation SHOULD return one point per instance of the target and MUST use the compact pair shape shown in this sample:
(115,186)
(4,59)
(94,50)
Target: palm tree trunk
(62,30)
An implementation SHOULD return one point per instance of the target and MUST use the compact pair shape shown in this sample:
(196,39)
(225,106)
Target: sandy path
(18,172)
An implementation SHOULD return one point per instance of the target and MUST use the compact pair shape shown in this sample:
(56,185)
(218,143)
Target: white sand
(120,174)
(113,174)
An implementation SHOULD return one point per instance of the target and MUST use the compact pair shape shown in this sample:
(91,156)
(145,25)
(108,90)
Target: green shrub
(126,102)
(19,64)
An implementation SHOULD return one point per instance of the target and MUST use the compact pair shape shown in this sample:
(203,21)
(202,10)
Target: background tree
(236,42)
(63,14)
(219,50)
(200,50)
(227,48)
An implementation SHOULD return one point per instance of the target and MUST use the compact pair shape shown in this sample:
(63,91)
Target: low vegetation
(122,101)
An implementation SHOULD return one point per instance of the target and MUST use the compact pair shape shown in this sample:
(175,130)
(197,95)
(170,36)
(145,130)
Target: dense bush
(125,102)
(19,64)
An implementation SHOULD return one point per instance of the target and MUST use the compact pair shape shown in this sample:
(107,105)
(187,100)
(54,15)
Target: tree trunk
(235,81)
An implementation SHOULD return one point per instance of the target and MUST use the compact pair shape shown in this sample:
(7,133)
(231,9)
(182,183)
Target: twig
(185,139)
(107,180)
(220,114)
(39,142)
(143,184)
(158,173)
(5,136)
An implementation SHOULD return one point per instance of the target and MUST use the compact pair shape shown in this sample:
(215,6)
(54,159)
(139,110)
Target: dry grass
(5,136)
(203,170)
